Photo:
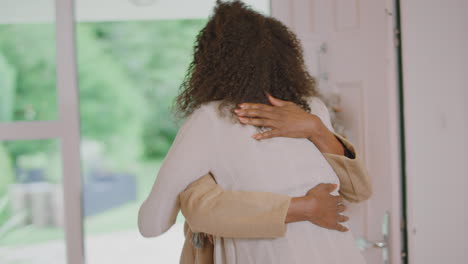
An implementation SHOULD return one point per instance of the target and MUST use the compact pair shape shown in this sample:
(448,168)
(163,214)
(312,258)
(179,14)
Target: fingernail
(243,119)
(237,110)
(242,106)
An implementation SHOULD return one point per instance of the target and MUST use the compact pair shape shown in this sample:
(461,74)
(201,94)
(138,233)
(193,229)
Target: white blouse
(207,142)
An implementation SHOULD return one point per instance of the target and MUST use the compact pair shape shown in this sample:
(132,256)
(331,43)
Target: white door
(435,74)
(349,47)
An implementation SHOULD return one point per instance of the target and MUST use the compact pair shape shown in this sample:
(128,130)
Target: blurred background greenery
(129,74)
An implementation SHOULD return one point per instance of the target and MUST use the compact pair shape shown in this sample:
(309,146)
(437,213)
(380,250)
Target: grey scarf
(198,240)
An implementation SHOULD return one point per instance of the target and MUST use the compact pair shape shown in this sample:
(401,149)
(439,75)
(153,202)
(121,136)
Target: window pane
(31,203)
(130,67)
(27,61)
(126,69)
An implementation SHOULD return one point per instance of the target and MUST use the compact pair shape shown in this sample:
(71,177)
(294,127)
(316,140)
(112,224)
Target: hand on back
(324,209)
(286,119)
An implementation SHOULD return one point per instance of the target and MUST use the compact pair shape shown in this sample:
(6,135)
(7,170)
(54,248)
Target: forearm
(268,222)
(210,209)
(355,183)
(326,141)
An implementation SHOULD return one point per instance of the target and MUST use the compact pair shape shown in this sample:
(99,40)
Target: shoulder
(317,106)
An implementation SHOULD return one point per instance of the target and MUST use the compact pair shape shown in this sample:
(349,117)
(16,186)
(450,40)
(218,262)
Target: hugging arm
(208,208)
(355,183)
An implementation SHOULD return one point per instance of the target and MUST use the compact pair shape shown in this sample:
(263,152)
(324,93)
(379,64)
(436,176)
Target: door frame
(401,110)
(399,252)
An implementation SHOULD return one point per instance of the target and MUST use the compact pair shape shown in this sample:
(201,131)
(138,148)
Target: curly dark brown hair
(238,56)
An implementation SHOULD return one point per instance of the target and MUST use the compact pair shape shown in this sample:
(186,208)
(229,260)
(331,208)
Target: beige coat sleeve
(210,209)
(355,183)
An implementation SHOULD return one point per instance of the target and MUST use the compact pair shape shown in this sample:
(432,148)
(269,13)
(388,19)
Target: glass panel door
(129,74)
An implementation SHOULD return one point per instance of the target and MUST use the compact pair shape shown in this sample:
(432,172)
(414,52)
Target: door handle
(363,243)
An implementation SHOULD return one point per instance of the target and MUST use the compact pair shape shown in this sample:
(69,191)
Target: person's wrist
(297,210)
(309,206)
(301,209)
(315,130)
(319,133)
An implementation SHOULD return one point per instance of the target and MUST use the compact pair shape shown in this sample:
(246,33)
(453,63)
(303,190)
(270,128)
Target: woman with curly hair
(242,62)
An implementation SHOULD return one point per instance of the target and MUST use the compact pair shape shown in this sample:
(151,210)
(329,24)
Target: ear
(275,101)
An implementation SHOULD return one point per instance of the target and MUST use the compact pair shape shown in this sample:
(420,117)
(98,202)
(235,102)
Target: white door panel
(357,63)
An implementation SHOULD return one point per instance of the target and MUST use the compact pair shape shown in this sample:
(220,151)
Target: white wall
(435,72)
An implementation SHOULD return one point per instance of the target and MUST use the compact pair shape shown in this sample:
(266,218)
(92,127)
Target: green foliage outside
(29,50)
(155,56)
(7,89)
(7,93)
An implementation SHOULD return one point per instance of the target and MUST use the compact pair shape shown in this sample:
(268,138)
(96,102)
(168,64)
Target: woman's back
(289,166)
